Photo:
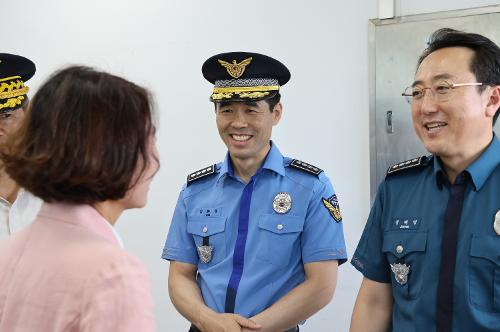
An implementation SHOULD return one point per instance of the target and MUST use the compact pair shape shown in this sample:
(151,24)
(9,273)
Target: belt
(195,329)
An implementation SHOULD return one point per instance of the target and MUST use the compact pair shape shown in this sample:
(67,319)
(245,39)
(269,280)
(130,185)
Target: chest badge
(401,272)
(496,223)
(205,253)
(282,203)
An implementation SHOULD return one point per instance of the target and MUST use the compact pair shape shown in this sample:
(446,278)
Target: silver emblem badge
(205,253)
(282,202)
(401,272)
(496,224)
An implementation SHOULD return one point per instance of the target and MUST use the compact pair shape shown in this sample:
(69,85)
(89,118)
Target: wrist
(258,319)
(203,315)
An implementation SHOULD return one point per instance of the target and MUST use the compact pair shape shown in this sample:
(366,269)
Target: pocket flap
(281,224)
(400,243)
(487,247)
(206,226)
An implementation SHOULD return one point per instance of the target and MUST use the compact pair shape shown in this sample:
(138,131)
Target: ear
(493,101)
(277,112)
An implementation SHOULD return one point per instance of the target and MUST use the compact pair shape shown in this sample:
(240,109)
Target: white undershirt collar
(115,233)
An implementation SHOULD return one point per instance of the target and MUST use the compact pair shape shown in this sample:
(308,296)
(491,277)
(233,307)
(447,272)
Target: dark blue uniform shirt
(406,224)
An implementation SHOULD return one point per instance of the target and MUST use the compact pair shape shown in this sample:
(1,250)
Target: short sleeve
(118,298)
(180,245)
(323,235)
(368,257)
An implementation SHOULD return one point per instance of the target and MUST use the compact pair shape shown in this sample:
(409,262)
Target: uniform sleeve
(180,245)
(323,235)
(118,298)
(368,257)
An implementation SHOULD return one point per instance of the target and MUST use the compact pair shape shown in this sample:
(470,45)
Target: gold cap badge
(235,69)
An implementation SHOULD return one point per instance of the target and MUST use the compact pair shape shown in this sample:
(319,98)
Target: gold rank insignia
(332,205)
(235,69)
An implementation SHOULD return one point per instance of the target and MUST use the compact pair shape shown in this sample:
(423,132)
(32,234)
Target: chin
(431,144)
(134,202)
(435,149)
(139,204)
(237,153)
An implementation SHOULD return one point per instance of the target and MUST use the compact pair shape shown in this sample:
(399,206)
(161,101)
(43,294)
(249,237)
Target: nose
(428,103)
(239,120)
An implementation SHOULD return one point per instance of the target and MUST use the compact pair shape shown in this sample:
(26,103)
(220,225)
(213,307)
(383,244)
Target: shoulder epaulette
(201,173)
(412,163)
(305,167)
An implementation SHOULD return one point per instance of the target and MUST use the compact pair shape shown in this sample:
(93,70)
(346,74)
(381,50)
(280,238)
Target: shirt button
(205,229)
(399,249)
(279,227)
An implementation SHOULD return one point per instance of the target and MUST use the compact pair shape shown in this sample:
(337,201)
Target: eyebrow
(434,79)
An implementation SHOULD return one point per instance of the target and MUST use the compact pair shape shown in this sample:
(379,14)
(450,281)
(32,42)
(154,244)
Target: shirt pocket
(406,248)
(280,238)
(213,227)
(484,273)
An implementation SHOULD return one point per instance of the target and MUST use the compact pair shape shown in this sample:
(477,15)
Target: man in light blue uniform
(430,252)
(255,241)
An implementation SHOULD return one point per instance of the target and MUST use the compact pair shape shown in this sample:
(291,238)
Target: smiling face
(246,127)
(461,126)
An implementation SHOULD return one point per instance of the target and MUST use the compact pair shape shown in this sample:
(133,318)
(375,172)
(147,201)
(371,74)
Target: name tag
(405,223)
(210,212)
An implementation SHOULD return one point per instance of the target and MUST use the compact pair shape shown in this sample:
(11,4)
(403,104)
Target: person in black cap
(255,241)
(17,207)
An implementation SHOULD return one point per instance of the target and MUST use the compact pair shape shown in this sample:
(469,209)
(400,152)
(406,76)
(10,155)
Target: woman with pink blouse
(87,149)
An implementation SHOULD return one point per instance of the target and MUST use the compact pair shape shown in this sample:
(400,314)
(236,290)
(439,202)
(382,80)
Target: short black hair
(485,64)
(273,101)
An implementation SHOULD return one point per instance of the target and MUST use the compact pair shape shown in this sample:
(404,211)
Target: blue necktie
(444,313)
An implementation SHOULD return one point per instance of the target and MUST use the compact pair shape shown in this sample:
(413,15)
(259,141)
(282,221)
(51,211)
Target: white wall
(162,44)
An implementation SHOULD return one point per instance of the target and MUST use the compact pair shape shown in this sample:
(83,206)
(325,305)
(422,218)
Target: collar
(439,172)
(272,162)
(479,170)
(483,166)
(116,234)
(83,215)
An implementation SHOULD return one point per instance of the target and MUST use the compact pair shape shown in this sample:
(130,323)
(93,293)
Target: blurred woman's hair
(85,134)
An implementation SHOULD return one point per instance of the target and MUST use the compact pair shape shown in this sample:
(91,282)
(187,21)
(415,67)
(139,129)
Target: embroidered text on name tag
(405,223)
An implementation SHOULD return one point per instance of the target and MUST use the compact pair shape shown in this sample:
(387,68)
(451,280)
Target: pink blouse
(66,272)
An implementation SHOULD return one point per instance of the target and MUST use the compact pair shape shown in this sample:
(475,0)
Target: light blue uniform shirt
(409,213)
(258,261)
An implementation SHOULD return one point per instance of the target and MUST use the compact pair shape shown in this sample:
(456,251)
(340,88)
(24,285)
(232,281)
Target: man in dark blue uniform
(430,252)
(255,241)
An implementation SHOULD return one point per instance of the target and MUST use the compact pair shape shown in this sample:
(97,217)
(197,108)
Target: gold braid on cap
(241,94)
(251,92)
(12,103)
(13,91)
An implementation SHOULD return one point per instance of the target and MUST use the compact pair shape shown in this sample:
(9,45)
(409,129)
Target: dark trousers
(195,329)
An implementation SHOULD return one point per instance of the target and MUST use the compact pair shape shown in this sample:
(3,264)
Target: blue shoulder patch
(206,171)
(412,163)
(305,167)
